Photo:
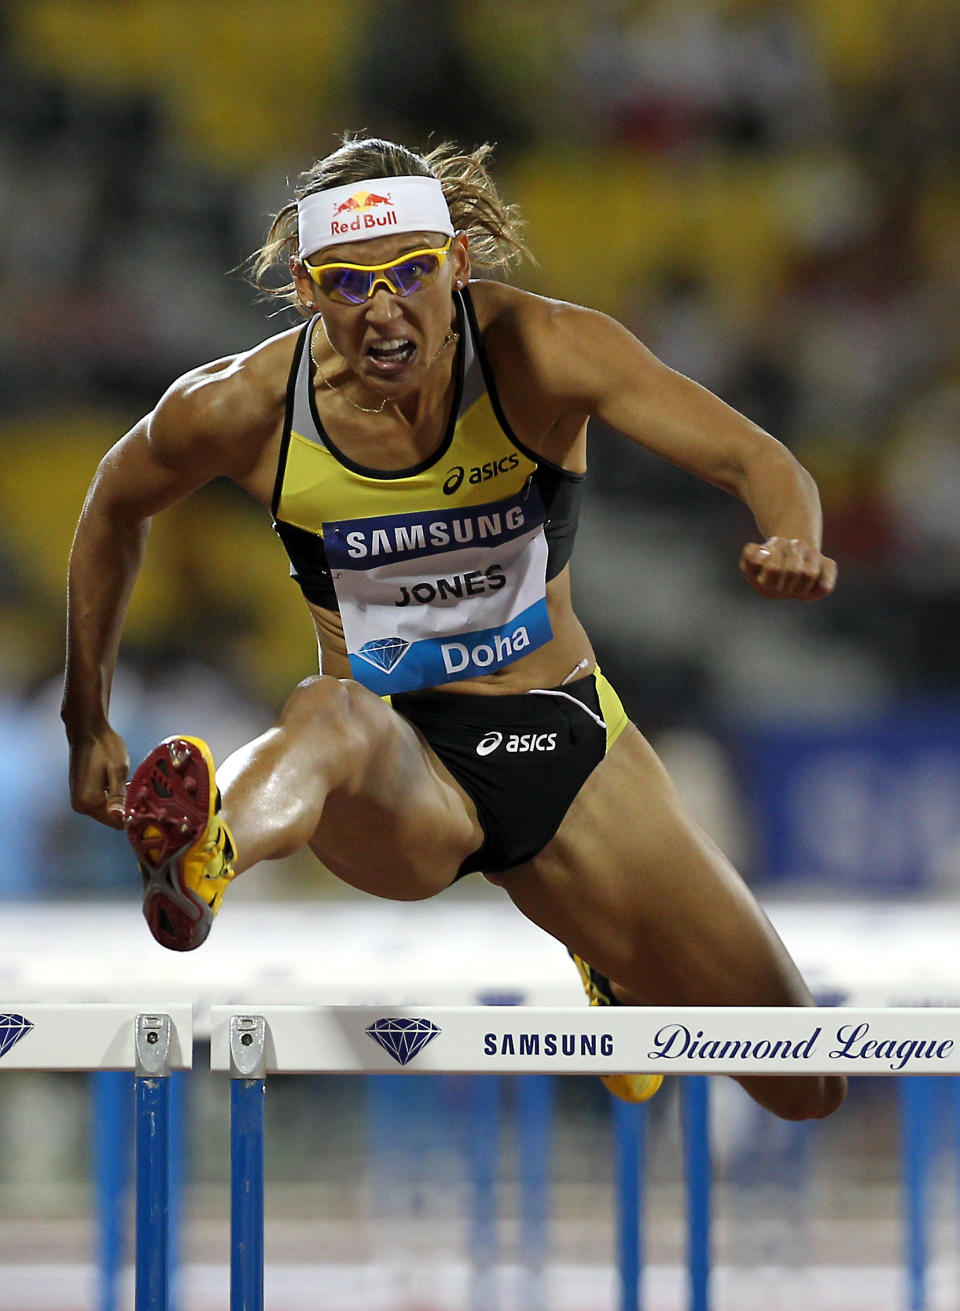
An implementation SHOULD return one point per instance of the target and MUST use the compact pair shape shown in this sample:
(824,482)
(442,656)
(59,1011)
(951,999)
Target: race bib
(432,597)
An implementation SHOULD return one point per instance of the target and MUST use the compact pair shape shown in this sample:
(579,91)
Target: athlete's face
(389,339)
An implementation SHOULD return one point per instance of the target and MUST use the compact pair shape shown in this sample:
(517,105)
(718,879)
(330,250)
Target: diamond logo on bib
(384,652)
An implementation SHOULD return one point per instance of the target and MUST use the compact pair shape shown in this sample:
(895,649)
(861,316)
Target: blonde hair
(476,206)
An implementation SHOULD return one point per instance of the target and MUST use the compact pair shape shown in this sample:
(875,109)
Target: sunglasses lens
(349,286)
(413,274)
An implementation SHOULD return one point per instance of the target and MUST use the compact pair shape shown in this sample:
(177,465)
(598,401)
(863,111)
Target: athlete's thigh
(400,825)
(631,883)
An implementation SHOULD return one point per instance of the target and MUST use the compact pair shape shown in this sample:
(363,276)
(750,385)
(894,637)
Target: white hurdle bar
(252,1042)
(598,1040)
(148,1043)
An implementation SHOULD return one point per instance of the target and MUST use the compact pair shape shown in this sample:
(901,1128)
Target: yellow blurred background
(766,191)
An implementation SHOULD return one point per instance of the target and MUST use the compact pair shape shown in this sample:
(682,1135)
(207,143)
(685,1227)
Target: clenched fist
(788,568)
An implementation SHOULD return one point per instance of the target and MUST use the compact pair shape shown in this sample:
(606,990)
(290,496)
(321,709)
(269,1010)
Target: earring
(309,304)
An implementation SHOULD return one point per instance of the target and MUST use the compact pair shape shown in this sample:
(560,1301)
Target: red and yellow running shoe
(184,847)
(628,1087)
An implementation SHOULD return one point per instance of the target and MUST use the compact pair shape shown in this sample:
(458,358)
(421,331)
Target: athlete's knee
(324,713)
(321,701)
(341,718)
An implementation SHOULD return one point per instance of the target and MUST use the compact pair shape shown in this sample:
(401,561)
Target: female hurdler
(420,441)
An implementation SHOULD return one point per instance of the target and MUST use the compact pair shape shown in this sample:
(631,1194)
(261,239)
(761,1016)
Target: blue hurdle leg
(916,1120)
(112,1141)
(694,1091)
(534,1100)
(152,1099)
(178,1096)
(246,1194)
(629,1127)
(389,1098)
(484,1155)
(151,1095)
(247,1091)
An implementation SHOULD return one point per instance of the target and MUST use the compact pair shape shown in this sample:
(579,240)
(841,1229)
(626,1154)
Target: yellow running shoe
(184,847)
(628,1087)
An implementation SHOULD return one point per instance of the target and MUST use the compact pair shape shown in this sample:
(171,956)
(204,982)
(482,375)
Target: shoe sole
(170,802)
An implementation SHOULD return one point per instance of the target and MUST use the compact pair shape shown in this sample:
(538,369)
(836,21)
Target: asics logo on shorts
(516,742)
(489,743)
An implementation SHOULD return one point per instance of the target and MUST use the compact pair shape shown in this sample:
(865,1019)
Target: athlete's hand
(788,568)
(99,769)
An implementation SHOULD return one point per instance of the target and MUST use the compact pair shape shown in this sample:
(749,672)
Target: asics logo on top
(516,743)
(478,473)
(453,480)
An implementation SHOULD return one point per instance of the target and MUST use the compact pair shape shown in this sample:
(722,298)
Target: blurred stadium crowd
(765,191)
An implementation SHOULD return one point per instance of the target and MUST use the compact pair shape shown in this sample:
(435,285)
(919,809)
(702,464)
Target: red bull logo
(357,216)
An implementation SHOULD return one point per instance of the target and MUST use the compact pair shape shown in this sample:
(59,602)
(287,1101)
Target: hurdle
(101,1038)
(253,1043)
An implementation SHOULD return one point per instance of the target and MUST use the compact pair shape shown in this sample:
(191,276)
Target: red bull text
(358,207)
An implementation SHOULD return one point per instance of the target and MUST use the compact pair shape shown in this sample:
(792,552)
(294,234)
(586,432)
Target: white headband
(375,208)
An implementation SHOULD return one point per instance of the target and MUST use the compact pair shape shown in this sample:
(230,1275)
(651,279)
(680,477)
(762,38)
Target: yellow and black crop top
(438,571)
(479,460)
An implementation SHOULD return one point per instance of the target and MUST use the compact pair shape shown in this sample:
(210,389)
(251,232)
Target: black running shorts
(521,758)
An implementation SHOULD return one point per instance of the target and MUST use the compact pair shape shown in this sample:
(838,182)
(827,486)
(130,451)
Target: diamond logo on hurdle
(12,1029)
(403,1039)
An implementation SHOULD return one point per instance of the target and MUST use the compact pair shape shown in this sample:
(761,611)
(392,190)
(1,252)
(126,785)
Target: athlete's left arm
(601,368)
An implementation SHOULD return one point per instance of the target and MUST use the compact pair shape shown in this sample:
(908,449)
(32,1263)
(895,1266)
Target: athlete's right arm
(161,460)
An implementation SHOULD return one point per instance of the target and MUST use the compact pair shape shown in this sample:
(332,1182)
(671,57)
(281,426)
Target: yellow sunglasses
(352,284)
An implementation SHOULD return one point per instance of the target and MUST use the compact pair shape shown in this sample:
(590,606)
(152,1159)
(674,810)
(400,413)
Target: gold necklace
(448,340)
